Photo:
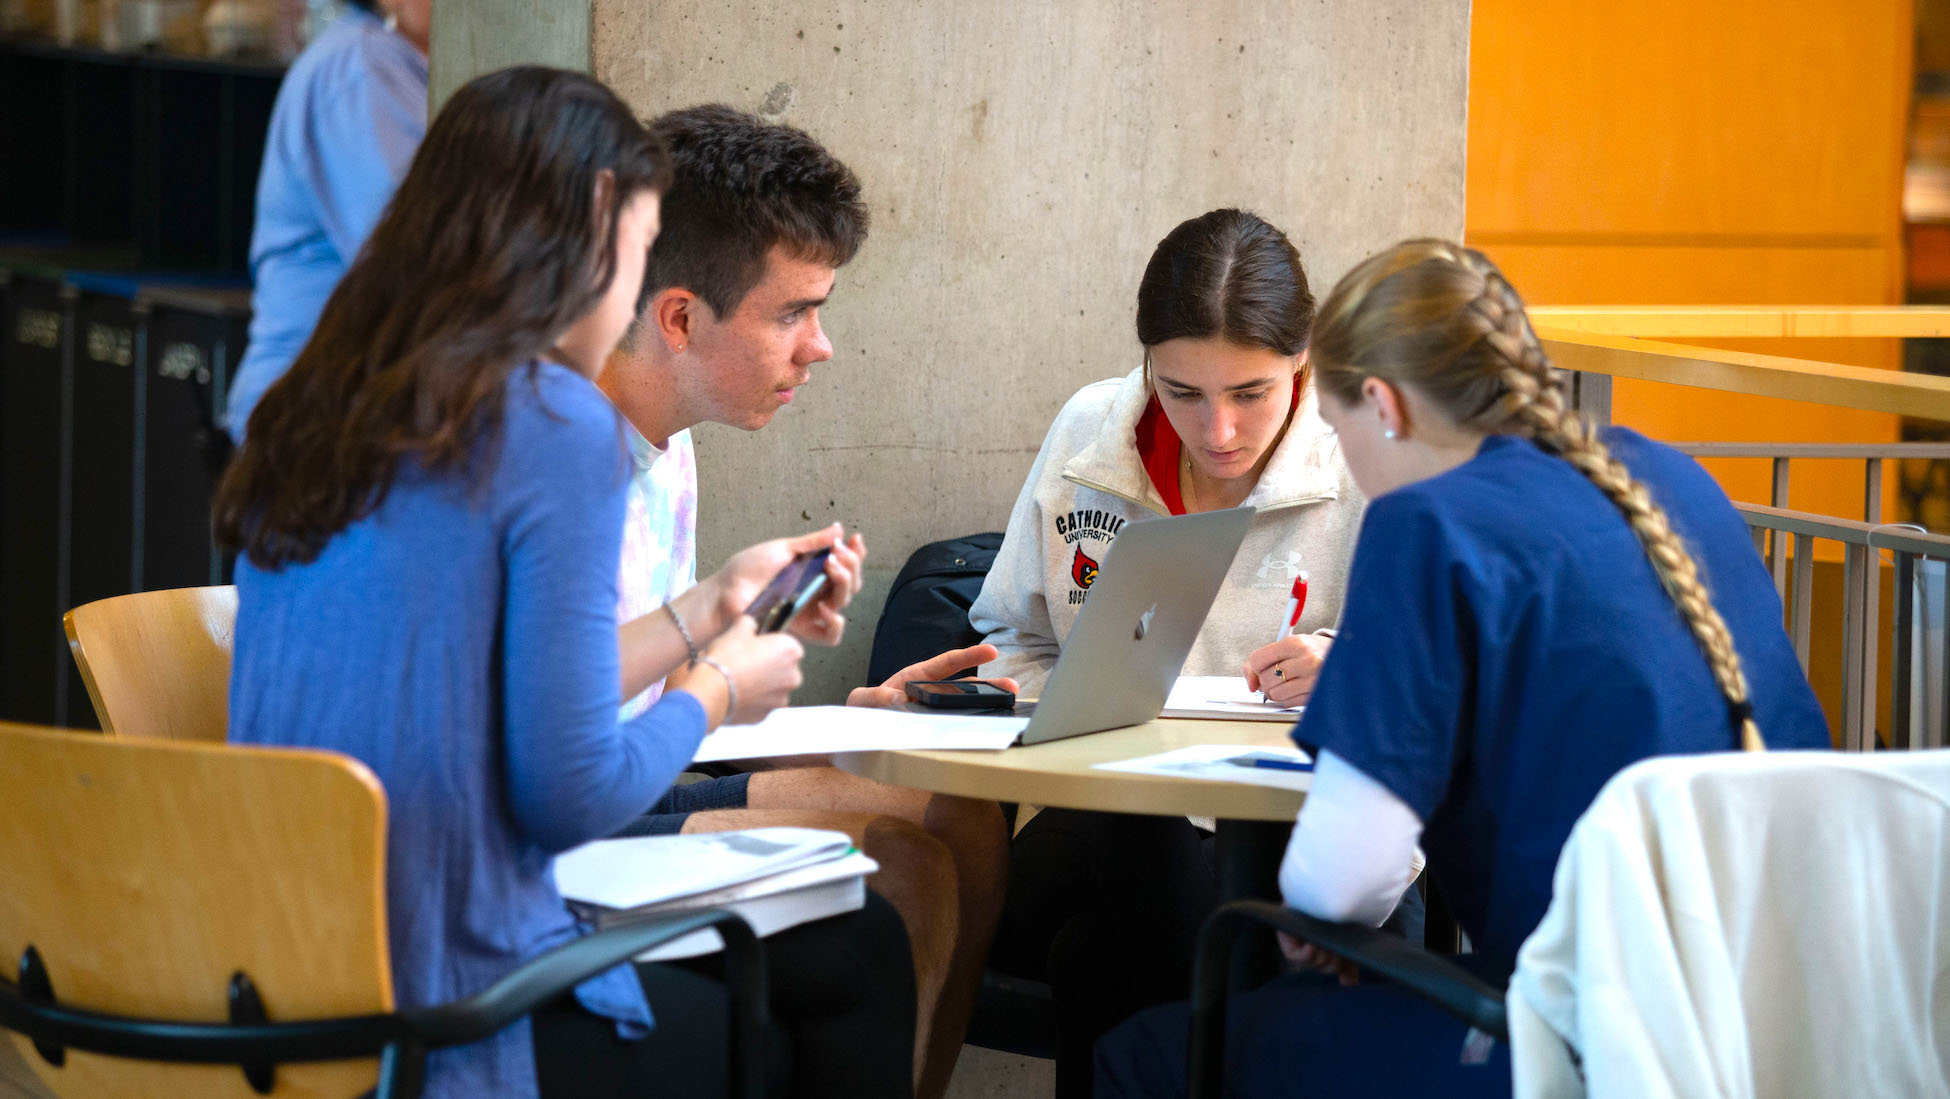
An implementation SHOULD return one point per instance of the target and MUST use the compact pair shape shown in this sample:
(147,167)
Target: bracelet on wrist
(684,632)
(730,688)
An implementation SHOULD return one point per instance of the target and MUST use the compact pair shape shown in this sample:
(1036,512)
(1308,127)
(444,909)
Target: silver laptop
(1144,611)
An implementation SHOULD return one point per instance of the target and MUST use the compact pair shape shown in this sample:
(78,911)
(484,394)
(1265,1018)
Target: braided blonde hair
(1440,318)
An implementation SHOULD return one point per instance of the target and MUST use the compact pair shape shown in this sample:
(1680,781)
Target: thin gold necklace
(1191,490)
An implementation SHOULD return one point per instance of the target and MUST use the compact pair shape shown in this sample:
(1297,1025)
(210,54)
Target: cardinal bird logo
(1082,569)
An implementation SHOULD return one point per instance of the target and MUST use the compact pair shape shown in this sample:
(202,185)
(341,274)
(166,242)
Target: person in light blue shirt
(350,113)
(428,516)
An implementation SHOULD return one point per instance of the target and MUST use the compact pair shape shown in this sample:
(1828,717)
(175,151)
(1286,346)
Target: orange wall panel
(1672,118)
(1613,275)
(1664,152)
(1597,273)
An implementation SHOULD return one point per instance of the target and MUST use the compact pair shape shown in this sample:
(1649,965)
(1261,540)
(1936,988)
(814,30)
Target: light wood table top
(1059,773)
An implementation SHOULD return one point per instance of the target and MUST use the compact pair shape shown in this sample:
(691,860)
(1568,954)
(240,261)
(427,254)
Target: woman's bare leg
(977,839)
(916,876)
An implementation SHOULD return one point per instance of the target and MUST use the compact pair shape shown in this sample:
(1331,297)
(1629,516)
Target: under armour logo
(1289,567)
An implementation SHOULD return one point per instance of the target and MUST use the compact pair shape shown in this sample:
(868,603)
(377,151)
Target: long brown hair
(492,246)
(1440,318)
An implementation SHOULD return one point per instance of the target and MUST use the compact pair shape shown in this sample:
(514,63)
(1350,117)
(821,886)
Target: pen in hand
(1295,604)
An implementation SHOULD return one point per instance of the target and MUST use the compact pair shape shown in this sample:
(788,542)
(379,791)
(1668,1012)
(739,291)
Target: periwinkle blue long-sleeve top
(349,116)
(461,641)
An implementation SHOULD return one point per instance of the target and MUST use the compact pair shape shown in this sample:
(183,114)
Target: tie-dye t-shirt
(659,536)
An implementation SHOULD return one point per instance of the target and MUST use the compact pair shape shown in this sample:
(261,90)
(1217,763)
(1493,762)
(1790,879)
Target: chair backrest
(157,663)
(146,873)
(1775,923)
(926,611)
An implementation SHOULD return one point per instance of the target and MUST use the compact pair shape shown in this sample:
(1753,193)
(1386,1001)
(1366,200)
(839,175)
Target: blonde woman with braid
(1533,606)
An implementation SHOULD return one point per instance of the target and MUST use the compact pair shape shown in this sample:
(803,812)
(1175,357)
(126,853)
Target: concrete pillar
(471,37)
(1021,161)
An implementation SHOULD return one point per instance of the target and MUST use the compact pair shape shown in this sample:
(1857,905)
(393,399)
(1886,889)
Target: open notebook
(774,878)
(1223,696)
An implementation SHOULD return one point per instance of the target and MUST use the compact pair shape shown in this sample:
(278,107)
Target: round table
(1253,821)
(1060,772)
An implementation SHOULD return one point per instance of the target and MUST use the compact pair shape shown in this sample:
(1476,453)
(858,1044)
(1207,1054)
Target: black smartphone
(795,586)
(959,694)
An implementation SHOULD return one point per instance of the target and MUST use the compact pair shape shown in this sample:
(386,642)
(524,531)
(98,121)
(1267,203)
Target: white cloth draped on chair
(1747,925)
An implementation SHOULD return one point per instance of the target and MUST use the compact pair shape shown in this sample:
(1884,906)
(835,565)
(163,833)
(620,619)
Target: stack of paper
(773,877)
(809,730)
(1223,696)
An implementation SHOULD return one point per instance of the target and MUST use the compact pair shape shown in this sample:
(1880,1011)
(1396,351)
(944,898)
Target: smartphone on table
(796,585)
(959,694)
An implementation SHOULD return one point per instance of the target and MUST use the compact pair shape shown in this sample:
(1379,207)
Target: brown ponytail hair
(497,240)
(1440,318)
(1228,274)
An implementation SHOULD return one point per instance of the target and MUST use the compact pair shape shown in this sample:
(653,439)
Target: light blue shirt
(348,118)
(460,640)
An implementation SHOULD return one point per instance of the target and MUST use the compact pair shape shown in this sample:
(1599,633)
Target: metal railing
(1597,343)
(1862,543)
(1603,342)
(1862,546)
(1871,455)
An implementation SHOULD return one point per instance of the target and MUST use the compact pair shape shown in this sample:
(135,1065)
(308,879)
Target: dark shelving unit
(126,205)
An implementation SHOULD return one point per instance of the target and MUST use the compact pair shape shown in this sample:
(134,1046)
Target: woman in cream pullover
(1221,414)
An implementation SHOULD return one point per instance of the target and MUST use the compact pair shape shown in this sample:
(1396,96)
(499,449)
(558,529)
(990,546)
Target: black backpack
(927,608)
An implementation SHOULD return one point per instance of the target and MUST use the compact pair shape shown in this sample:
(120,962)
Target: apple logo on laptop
(1144,622)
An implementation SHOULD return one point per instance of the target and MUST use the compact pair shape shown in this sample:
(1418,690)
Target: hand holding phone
(796,585)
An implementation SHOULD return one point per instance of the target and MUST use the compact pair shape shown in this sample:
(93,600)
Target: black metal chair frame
(1441,982)
(402,1039)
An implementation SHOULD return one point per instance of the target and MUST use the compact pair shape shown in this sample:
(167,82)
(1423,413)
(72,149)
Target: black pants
(1106,907)
(1301,1036)
(842,1002)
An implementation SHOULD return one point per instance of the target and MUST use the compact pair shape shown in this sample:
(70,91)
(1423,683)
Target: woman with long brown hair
(1534,606)
(1219,411)
(428,512)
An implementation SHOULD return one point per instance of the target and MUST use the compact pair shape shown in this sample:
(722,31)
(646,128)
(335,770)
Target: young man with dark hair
(755,228)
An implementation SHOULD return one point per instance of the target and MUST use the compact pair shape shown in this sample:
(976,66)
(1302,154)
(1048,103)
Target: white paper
(803,730)
(770,914)
(1223,696)
(853,864)
(1212,762)
(645,870)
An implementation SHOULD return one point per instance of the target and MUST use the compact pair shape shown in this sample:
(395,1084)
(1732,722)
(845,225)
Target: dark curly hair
(740,186)
(492,246)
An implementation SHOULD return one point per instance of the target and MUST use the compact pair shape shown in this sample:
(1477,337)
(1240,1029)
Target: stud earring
(681,347)
(1388,434)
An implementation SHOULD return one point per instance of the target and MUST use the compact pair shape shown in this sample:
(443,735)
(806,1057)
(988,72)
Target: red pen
(1294,605)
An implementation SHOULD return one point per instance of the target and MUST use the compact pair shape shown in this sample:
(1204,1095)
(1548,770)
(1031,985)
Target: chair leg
(1211,973)
(402,1070)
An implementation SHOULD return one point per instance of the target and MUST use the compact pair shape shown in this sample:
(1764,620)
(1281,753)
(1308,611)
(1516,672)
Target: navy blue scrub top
(1506,648)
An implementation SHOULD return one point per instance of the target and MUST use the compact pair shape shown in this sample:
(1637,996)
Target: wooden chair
(157,663)
(163,899)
